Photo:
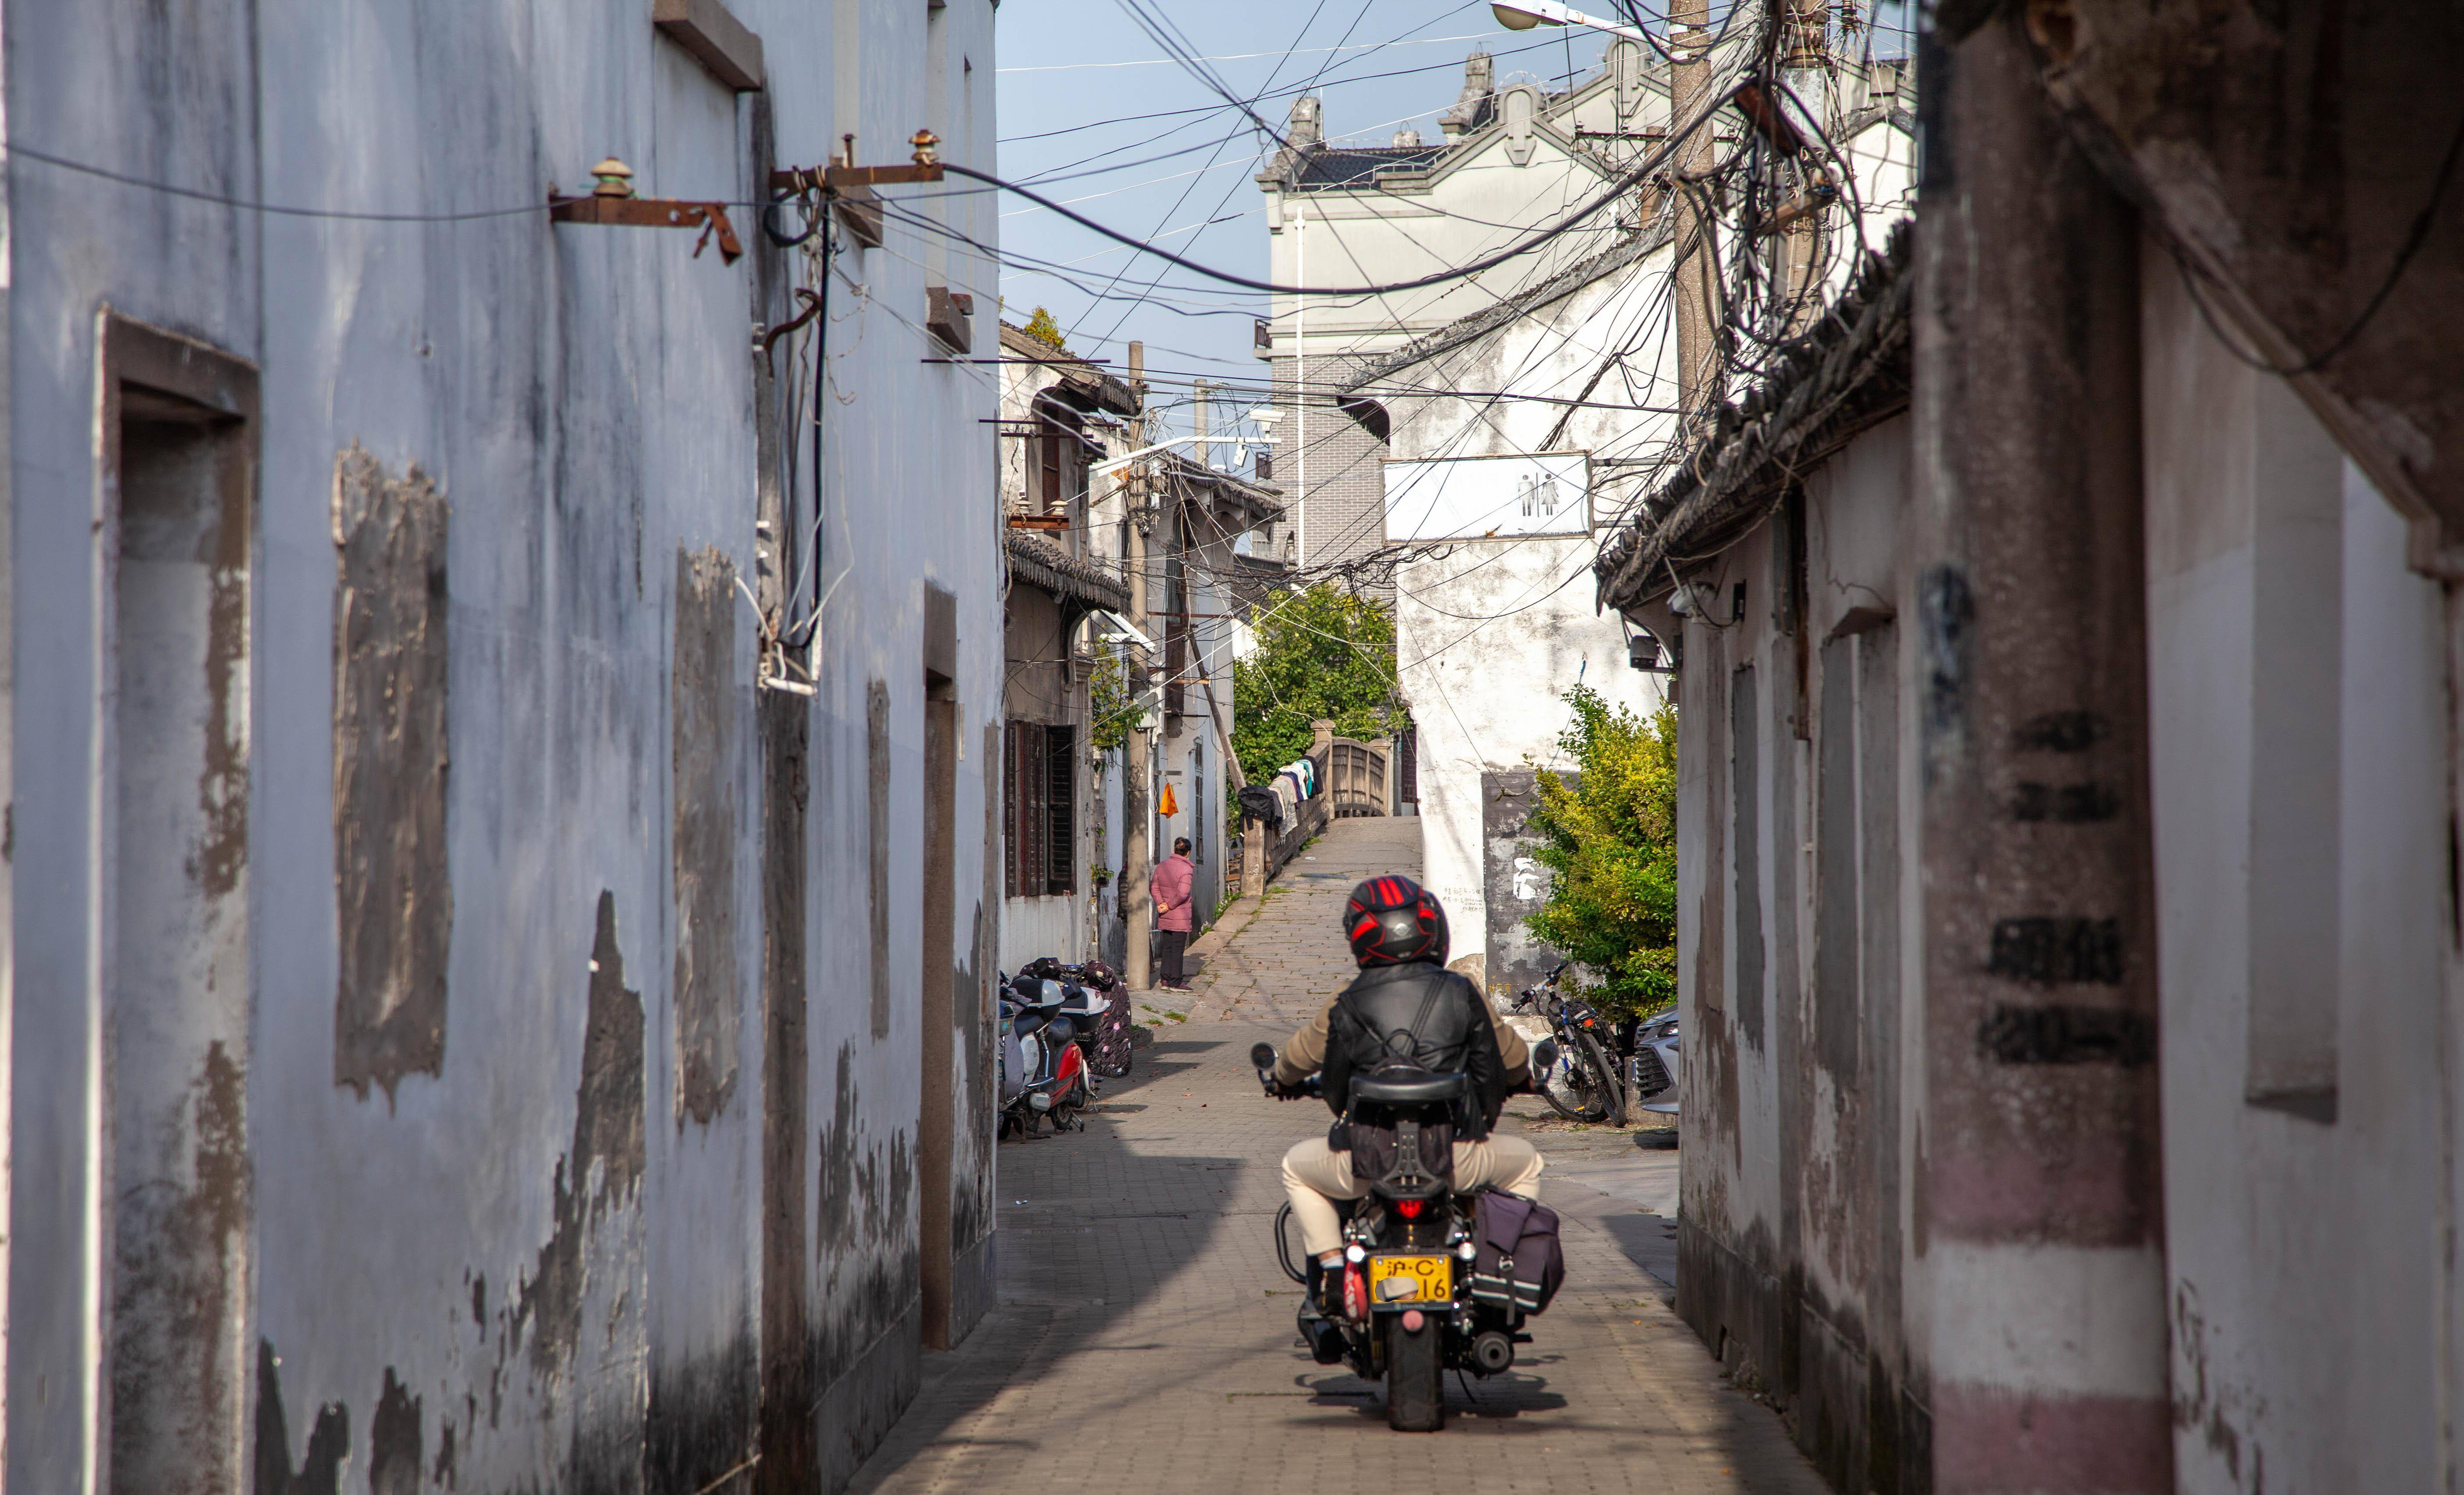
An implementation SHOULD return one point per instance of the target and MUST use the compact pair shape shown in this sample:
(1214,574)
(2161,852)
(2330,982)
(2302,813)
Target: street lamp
(1521,15)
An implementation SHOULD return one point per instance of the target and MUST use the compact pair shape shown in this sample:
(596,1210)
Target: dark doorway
(178,436)
(933,1134)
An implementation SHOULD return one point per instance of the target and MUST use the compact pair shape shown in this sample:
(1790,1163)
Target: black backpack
(1517,1261)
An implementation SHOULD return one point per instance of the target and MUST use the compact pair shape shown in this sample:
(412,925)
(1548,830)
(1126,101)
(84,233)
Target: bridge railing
(1354,779)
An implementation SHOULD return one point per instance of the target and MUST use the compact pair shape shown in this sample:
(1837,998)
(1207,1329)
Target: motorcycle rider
(1405,1004)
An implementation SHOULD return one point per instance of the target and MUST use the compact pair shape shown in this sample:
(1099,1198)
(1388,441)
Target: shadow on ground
(1064,1200)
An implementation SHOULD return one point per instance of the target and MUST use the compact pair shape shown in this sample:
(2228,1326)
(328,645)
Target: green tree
(1044,330)
(1610,837)
(1321,654)
(1108,699)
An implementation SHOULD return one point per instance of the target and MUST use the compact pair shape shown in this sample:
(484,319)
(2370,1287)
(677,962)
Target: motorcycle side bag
(1517,1261)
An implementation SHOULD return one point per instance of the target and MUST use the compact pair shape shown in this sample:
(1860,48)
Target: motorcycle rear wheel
(1416,1377)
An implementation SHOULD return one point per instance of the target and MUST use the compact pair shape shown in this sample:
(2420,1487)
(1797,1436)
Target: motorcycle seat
(1414,1090)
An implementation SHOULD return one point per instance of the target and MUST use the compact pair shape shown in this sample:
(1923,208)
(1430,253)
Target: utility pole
(2043,1165)
(1689,83)
(1136,905)
(1807,67)
(1198,389)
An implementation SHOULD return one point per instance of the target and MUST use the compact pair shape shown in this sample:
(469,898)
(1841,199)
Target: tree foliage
(1110,715)
(1044,330)
(1610,837)
(1323,653)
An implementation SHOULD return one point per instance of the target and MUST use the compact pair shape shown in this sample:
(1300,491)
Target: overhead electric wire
(1557,229)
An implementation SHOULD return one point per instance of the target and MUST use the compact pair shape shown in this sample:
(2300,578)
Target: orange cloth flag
(1170,805)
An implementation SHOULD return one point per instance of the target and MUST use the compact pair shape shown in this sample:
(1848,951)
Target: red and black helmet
(1392,920)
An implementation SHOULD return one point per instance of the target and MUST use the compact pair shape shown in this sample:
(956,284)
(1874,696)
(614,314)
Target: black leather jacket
(1422,1015)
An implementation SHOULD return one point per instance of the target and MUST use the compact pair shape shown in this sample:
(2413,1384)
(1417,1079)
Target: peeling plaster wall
(529,1257)
(390,696)
(1794,896)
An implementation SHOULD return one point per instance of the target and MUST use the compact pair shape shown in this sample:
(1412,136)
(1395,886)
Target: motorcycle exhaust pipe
(1491,1352)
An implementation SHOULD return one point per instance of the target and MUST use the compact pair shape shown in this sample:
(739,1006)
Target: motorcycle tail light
(1410,1209)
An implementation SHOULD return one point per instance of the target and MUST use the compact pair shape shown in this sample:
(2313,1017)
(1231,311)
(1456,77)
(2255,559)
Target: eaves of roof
(1040,563)
(1082,382)
(1250,504)
(1849,372)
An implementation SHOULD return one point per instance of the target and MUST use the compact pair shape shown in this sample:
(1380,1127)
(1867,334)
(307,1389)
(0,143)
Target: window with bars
(1040,781)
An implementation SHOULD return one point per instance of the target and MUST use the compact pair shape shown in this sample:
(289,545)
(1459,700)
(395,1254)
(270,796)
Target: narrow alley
(1144,1335)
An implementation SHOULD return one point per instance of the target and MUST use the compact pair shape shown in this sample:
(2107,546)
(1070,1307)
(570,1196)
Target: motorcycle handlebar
(1261,1058)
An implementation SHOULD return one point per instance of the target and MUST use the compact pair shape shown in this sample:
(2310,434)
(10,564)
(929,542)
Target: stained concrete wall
(2302,738)
(534,1259)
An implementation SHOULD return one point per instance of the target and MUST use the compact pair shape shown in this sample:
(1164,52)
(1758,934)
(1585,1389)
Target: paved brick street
(1144,1340)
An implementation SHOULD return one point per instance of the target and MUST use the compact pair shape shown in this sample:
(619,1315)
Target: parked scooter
(1043,1070)
(1098,1009)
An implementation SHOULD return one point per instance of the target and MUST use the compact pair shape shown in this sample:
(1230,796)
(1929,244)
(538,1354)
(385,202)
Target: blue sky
(1093,109)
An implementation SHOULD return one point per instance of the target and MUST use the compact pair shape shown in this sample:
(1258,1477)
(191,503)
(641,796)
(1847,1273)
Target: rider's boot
(1318,1320)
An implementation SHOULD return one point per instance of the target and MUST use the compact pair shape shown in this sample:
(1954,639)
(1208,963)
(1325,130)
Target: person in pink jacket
(1171,883)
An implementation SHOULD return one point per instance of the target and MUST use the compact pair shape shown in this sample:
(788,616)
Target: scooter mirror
(1260,1055)
(1544,1054)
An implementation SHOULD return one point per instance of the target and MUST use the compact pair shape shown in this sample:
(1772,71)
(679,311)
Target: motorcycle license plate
(1431,1279)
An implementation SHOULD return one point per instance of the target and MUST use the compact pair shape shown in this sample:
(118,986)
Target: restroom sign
(1482,498)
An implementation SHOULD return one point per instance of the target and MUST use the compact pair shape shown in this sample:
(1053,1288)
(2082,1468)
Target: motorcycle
(1584,1084)
(1412,1308)
(1043,1070)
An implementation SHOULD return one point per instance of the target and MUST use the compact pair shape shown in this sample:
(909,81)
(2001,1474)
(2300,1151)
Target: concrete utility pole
(1697,262)
(1808,72)
(1136,905)
(2042,1184)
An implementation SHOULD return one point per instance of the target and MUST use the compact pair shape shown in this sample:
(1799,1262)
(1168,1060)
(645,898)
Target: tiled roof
(1356,165)
(1847,373)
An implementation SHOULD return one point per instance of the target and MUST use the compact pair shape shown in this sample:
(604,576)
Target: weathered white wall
(1489,634)
(1488,642)
(2300,743)
(583,398)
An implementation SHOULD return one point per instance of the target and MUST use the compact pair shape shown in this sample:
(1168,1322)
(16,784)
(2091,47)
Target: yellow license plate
(1431,1279)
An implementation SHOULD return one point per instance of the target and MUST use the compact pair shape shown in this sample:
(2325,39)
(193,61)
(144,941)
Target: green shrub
(1610,837)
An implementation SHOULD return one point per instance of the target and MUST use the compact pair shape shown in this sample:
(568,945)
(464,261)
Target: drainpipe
(2038,1275)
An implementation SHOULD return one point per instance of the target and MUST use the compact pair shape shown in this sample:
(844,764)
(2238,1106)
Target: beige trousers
(1315,1175)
